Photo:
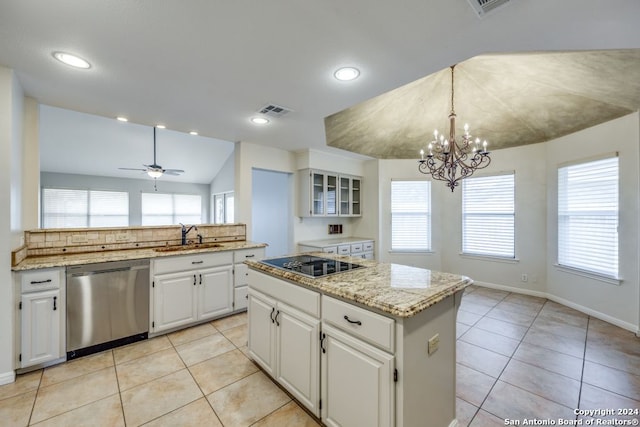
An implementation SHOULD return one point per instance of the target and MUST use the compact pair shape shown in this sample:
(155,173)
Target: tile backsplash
(79,240)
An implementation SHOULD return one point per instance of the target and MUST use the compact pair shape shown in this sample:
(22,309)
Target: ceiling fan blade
(174,172)
(133,169)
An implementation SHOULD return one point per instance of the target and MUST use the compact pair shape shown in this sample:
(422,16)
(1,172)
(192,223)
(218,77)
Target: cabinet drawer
(364,324)
(344,249)
(356,247)
(240,273)
(330,249)
(293,295)
(40,280)
(368,246)
(242,255)
(191,262)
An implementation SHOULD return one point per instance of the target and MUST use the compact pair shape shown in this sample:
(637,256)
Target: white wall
(31,166)
(11,116)
(133,186)
(620,304)
(271,205)
(224,180)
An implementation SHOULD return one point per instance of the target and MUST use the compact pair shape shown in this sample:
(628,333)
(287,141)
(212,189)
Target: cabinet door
(261,332)
(317,193)
(174,300)
(332,195)
(355,197)
(297,355)
(41,327)
(357,382)
(345,196)
(215,292)
(240,297)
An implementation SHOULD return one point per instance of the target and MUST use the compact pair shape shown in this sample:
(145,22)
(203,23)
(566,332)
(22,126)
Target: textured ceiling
(508,99)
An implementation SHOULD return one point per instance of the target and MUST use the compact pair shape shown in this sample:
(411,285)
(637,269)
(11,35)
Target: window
(588,216)
(66,208)
(223,212)
(488,215)
(410,215)
(166,209)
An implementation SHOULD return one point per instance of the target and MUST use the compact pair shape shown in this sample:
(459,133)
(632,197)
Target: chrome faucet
(186,230)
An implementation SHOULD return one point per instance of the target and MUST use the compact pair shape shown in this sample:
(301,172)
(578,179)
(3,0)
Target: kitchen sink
(178,248)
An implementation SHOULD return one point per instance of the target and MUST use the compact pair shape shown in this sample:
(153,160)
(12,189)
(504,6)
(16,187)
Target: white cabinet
(324,193)
(284,330)
(352,246)
(41,319)
(357,382)
(191,288)
(240,273)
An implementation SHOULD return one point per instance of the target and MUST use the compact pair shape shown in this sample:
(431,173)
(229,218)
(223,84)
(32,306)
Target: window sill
(490,258)
(589,274)
(411,251)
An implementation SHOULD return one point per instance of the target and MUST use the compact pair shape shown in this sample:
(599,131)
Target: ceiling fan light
(153,173)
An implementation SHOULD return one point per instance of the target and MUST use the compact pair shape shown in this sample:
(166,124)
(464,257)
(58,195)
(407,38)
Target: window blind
(70,208)
(488,215)
(411,215)
(588,216)
(166,209)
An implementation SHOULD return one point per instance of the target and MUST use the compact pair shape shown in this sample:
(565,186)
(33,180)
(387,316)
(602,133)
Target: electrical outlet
(524,278)
(434,343)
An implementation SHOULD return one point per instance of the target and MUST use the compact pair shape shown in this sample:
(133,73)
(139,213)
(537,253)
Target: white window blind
(588,216)
(68,208)
(411,215)
(488,215)
(167,209)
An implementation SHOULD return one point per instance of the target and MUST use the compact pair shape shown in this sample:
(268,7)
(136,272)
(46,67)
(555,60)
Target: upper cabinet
(325,194)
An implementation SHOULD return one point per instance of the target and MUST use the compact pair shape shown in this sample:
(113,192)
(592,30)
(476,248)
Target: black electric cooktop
(311,266)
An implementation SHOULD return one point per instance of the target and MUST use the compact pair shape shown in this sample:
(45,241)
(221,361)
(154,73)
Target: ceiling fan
(154,170)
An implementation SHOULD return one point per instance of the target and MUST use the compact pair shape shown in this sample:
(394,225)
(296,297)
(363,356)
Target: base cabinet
(357,382)
(40,318)
(284,342)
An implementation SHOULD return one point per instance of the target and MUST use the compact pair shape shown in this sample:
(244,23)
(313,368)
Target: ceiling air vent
(482,7)
(274,110)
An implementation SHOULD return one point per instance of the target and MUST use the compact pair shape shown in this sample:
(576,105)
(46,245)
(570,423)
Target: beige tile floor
(518,357)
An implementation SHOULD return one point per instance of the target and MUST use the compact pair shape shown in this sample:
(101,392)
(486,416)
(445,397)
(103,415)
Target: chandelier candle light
(446,158)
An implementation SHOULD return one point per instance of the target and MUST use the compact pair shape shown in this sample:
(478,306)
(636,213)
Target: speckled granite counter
(398,290)
(47,261)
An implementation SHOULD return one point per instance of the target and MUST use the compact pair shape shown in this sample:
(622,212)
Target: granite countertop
(335,241)
(398,290)
(47,261)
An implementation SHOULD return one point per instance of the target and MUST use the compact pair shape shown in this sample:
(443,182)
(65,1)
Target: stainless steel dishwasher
(107,305)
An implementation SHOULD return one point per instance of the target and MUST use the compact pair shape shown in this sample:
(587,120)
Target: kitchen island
(373,345)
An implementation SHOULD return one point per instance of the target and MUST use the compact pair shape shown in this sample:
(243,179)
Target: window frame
(225,195)
(585,271)
(87,214)
(428,212)
(487,254)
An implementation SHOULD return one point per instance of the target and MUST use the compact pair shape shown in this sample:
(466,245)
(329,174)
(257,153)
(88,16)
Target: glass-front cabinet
(325,193)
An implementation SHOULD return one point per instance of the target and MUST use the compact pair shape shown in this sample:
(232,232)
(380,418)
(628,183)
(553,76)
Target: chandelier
(450,161)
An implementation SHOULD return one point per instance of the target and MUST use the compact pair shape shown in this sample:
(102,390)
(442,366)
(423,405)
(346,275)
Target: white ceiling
(209,65)
(80,143)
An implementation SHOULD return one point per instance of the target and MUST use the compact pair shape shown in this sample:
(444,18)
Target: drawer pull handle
(271,315)
(55,307)
(249,256)
(357,322)
(38,282)
(197,262)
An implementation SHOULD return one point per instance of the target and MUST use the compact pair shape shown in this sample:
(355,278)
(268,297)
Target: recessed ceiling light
(72,60)
(259,120)
(122,119)
(346,73)
(193,132)
(161,126)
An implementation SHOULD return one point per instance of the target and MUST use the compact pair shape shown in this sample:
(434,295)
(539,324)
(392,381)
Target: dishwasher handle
(110,270)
